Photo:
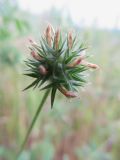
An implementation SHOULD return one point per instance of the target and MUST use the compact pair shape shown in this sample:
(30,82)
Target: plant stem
(33,122)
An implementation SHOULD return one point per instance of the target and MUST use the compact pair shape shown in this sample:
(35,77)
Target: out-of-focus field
(86,128)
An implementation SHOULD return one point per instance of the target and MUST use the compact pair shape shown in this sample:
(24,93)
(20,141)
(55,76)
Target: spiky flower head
(58,63)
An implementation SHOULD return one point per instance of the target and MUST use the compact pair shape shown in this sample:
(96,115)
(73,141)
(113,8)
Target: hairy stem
(33,122)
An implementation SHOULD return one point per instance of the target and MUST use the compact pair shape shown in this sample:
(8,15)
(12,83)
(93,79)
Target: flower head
(58,63)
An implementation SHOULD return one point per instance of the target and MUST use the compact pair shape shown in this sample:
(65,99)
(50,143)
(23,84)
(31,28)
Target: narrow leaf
(78,78)
(53,92)
(31,75)
(47,86)
(43,81)
(31,85)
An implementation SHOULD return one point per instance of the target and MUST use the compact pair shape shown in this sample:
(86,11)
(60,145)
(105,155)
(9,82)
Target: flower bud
(77,61)
(90,65)
(43,70)
(70,41)
(57,38)
(32,42)
(48,35)
(69,94)
(35,56)
(94,66)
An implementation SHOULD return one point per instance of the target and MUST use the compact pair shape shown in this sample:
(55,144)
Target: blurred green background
(86,128)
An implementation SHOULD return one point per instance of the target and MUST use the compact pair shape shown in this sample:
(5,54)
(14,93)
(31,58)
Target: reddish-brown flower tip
(94,66)
(77,61)
(90,65)
(30,40)
(43,70)
(68,94)
(48,35)
(33,43)
(35,56)
(57,38)
(70,41)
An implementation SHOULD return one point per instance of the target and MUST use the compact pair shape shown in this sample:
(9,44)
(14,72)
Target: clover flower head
(59,63)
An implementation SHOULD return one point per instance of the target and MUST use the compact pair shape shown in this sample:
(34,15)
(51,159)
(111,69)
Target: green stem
(33,122)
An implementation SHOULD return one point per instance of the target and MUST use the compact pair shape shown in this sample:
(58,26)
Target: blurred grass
(86,128)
